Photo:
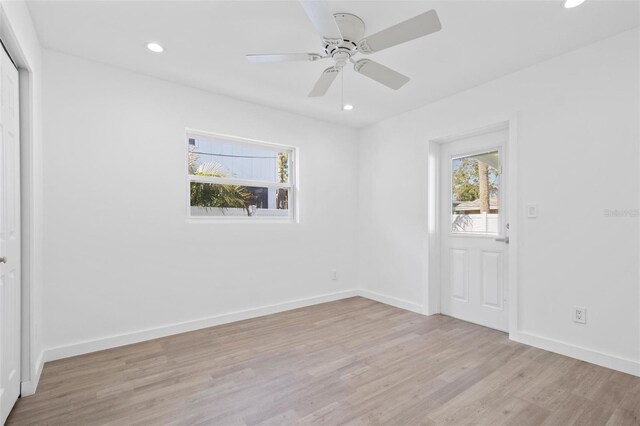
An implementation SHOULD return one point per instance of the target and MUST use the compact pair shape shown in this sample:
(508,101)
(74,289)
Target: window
(475,190)
(236,178)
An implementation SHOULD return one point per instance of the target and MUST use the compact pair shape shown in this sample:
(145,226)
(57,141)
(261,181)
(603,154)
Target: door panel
(460,275)
(472,216)
(492,270)
(9,237)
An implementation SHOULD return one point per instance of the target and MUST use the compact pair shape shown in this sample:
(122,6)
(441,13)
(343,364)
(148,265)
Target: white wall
(578,154)
(19,36)
(113,269)
(115,152)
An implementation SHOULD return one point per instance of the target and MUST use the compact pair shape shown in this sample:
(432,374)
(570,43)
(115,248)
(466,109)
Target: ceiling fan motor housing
(352,30)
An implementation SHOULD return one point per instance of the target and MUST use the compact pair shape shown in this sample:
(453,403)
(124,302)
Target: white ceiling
(206,41)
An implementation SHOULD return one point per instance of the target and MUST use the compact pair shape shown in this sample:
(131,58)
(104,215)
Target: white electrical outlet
(334,275)
(580,315)
(532,211)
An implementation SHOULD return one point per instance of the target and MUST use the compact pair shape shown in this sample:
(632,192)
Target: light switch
(532,211)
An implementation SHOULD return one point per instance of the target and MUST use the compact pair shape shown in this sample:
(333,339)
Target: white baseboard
(29,387)
(109,342)
(51,354)
(589,355)
(390,300)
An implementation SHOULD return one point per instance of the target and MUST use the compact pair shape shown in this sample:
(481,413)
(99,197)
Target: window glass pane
(210,199)
(219,158)
(475,187)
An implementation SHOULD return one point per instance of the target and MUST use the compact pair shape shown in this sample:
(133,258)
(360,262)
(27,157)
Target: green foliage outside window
(466,180)
(209,195)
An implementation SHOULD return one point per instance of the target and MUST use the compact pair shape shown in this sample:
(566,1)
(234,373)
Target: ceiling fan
(343,37)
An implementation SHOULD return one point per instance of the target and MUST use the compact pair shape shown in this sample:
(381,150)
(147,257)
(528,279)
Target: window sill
(236,220)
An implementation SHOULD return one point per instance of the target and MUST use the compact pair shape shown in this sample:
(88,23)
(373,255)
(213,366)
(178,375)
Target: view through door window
(475,190)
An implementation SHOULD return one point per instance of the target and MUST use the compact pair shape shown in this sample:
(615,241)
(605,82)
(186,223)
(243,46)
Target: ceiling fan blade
(324,82)
(322,19)
(411,29)
(284,57)
(381,74)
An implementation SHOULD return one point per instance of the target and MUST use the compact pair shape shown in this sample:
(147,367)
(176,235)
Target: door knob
(503,240)
(3,259)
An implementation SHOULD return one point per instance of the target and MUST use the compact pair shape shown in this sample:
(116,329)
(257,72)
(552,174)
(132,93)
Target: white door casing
(474,263)
(9,237)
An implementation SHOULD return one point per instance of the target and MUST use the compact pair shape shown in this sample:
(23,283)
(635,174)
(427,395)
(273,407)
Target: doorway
(10,263)
(470,249)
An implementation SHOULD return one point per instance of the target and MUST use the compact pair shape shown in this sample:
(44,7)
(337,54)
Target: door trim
(432,303)
(28,63)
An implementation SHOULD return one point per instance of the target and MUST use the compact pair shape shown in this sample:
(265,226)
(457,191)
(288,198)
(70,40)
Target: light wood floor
(352,361)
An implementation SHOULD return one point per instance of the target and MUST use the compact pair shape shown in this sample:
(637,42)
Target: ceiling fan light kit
(343,38)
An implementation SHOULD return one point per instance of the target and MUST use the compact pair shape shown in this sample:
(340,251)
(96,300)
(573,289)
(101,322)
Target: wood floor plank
(353,361)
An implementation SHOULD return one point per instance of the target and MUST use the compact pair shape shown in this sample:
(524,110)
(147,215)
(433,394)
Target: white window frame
(291,185)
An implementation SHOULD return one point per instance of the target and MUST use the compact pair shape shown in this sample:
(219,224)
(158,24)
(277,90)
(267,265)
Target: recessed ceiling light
(572,3)
(155,47)
(347,107)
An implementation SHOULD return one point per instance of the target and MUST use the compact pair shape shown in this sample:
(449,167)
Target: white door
(473,229)
(9,237)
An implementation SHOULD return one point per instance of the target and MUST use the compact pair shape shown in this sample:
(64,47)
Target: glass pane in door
(475,192)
